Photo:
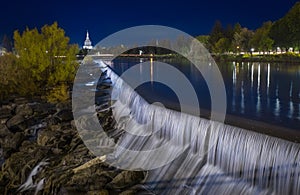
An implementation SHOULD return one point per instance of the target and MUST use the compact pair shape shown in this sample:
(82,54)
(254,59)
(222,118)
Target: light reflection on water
(269,92)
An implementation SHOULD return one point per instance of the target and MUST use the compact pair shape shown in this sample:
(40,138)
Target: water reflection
(262,91)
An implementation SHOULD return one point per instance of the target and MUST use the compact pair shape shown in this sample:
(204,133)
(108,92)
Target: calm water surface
(268,92)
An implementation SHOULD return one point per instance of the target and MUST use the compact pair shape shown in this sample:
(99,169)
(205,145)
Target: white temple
(87,42)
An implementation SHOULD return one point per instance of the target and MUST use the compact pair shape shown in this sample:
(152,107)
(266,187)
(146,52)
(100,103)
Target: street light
(252,50)
(237,49)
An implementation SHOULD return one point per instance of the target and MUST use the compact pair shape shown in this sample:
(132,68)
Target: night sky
(103,18)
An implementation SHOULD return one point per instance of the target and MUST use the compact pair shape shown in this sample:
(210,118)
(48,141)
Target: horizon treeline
(283,33)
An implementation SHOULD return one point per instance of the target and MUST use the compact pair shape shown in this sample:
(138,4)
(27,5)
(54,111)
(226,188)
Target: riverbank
(41,151)
(292,58)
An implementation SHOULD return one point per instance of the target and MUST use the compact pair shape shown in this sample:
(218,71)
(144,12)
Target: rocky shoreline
(42,153)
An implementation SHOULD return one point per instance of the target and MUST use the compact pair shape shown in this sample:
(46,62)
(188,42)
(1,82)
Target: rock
(98,192)
(46,137)
(17,139)
(126,179)
(4,131)
(16,123)
(65,115)
(12,141)
(24,110)
(5,113)
(20,100)
(63,106)
(43,108)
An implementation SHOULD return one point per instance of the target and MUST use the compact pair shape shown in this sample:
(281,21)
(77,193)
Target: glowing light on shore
(151,70)
(268,79)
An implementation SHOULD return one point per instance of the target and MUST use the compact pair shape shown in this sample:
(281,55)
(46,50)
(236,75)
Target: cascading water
(217,158)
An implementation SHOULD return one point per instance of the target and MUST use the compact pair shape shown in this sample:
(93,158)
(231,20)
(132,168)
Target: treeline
(284,33)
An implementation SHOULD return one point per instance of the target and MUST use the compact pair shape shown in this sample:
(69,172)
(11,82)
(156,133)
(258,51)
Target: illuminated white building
(87,42)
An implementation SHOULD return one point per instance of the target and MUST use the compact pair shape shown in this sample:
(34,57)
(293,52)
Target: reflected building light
(291,89)
(141,66)
(277,107)
(252,70)
(234,75)
(242,98)
(151,70)
(268,79)
(277,104)
(258,105)
(258,78)
(233,87)
(291,110)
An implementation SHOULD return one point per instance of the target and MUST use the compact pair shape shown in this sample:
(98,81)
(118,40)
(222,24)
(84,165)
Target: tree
(203,39)
(46,55)
(286,31)
(216,34)
(242,39)
(223,45)
(12,78)
(6,43)
(261,40)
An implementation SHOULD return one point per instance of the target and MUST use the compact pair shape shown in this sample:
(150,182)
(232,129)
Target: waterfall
(210,157)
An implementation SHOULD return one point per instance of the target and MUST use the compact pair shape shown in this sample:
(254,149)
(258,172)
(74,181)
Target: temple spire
(87,42)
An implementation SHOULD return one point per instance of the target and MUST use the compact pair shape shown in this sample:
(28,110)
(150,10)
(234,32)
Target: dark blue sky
(103,18)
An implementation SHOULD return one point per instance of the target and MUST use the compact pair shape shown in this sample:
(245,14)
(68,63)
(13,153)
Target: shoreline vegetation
(290,57)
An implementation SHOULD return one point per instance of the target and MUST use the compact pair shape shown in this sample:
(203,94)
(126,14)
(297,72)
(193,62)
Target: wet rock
(16,123)
(20,100)
(63,106)
(4,131)
(16,140)
(43,109)
(98,192)
(18,166)
(46,137)
(126,179)
(5,113)
(24,110)
(64,115)
(32,130)
(57,141)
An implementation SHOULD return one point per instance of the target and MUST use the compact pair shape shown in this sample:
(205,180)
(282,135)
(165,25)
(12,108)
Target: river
(266,92)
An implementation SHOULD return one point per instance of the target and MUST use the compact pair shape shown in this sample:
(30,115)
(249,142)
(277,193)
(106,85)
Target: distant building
(87,42)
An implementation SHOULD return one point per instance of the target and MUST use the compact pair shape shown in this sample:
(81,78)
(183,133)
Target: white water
(30,183)
(217,158)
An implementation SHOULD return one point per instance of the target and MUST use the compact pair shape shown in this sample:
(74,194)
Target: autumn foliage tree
(47,55)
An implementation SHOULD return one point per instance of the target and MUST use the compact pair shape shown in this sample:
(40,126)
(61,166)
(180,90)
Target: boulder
(5,113)
(24,110)
(63,106)
(65,115)
(4,132)
(126,179)
(46,137)
(43,108)
(98,192)
(16,123)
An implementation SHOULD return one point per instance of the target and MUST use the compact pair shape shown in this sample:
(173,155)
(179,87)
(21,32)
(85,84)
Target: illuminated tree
(46,55)
(261,40)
